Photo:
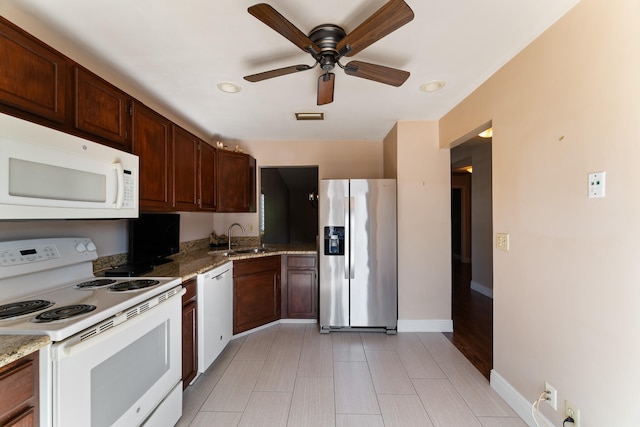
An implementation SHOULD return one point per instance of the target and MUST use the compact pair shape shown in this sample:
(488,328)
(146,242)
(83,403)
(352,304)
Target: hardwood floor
(291,375)
(472,321)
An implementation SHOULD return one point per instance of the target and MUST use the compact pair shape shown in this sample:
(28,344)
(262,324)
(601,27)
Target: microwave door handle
(120,190)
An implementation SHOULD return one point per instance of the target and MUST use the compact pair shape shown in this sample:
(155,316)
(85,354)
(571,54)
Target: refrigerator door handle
(347,237)
(352,255)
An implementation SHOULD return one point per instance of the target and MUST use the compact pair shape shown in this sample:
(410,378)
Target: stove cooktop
(54,279)
(67,310)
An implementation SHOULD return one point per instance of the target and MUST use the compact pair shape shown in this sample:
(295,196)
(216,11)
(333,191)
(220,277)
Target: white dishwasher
(215,313)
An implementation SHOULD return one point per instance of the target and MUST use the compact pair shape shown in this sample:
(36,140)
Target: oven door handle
(73,348)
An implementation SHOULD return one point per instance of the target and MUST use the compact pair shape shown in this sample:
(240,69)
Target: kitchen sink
(250,250)
(244,251)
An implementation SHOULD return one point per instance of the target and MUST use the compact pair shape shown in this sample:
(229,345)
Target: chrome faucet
(229,232)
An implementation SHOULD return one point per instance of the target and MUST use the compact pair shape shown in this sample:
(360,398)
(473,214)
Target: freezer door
(373,245)
(334,279)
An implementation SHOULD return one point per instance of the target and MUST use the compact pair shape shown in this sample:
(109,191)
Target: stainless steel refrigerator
(358,255)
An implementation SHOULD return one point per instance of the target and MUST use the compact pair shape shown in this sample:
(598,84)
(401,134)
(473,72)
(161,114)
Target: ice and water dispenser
(334,240)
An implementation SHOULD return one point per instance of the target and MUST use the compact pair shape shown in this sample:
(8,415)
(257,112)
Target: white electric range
(116,352)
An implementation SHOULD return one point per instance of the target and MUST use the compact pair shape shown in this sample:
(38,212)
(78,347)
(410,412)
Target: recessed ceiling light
(486,134)
(228,87)
(432,86)
(309,116)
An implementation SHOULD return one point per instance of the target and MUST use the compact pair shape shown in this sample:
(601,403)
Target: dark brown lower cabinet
(19,392)
(189,333)
(256,292)
(300,289)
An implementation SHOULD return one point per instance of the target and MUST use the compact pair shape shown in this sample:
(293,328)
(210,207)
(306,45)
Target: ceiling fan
(328,43)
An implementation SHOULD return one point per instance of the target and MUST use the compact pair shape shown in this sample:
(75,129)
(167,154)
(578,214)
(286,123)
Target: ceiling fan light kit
(328,43)
(432,86)
(228,87)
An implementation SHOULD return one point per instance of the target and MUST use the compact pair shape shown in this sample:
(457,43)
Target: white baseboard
(515,400)
(436,325)
(487,292)
(298,320)
(277,322)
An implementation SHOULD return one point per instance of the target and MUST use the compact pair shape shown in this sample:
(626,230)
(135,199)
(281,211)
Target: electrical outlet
(551,396)
(570,410)
(502,241)
(250,227)
(596,184)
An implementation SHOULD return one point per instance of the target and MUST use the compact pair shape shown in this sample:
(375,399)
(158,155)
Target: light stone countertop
(13,347)
(192,263)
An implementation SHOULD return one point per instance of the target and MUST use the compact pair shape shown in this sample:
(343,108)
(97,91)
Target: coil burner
(20,308)
(133,285)
(63,313)
(97,283)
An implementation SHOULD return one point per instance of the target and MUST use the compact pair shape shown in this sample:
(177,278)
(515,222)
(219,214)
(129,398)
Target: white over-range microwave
(47,174)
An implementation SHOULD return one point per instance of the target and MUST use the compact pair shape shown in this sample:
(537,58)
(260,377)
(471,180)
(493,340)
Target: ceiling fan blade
(325,88)
(387,19)
(277,73)
(377,73)
(279,23)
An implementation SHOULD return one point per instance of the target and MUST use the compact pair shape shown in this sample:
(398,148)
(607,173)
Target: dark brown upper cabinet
(207,177)
(32,75)
(152,142)
(101,109)
(234,181)
(185,171)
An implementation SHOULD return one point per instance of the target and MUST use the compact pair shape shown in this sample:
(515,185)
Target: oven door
(119,377)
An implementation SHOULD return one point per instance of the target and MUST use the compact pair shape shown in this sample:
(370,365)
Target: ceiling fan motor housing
(326,37)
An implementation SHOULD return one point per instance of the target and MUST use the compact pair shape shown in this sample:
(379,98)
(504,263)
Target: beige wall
(566,295)
(424,226)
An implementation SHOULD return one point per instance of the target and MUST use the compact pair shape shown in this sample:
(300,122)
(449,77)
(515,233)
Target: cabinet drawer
(301,261)
(245,267)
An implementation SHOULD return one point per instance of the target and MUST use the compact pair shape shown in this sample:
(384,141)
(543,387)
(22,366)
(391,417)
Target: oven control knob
(91,246)
(80,247)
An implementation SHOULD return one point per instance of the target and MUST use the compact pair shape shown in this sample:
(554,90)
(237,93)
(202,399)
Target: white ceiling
(178,50)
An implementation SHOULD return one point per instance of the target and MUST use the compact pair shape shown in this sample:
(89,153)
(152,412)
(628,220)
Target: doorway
(472,252)
(289,204)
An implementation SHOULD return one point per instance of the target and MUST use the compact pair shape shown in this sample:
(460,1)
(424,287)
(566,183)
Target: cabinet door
(233,182)
(185,160)
(256,292)
(101,109)
(301,293)
(19,392)
(189,340)
(32,75)
(152,142)
(189,332)
(207,176)
(256,301)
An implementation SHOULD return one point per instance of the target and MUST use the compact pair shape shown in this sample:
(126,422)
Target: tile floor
(291,375)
